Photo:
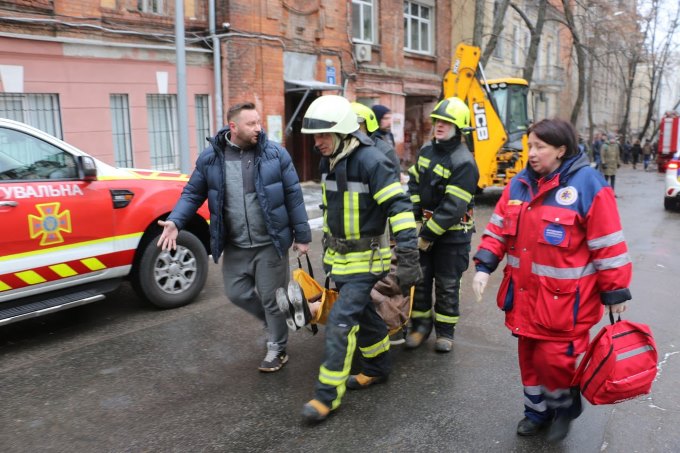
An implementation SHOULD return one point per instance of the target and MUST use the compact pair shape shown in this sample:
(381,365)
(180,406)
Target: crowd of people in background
(639,152)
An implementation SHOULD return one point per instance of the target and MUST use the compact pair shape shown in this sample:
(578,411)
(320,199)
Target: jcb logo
(481,126)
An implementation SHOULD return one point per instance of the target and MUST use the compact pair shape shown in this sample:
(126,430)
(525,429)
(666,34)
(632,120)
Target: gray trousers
(251,277)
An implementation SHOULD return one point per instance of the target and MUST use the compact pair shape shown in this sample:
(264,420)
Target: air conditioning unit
(362,52)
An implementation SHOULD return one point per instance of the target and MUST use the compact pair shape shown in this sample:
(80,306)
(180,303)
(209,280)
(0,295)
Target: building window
(202,120)
(516,44)
(548,61)
(120,127)
(150,6)
(38,110)
(163,139)
(418,27)
(363,18)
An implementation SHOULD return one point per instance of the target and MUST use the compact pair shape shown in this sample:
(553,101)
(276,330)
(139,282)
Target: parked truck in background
(669,140)
(498,114)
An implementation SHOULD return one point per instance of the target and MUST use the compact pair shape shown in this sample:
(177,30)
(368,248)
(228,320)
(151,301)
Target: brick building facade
(106,68)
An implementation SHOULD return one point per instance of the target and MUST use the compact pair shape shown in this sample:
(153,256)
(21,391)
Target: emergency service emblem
(554,234)
(566,196)
(50,223)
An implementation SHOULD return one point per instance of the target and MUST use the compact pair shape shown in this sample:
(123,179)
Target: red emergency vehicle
(669,140)
(72,228)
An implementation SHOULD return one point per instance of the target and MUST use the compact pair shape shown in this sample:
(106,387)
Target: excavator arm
(496,163)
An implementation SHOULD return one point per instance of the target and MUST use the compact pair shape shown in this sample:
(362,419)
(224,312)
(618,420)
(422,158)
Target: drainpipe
(217,64)
(182,106)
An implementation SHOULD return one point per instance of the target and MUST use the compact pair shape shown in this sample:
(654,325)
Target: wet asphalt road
(118,376)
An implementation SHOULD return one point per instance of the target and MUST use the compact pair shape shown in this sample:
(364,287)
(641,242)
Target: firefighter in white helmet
(442,184)
(361,195)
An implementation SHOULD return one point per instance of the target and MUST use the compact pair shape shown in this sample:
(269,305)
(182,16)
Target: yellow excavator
(498,114)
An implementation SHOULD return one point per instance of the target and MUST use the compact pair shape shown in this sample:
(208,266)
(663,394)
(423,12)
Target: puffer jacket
(566,254)
(278,192)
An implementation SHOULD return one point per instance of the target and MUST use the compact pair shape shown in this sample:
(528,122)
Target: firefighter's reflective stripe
(351,215)
(402,221)
(421,314)
(415,198)
(338,379)
(388,192)
(376,349)
(445,319)
(436,229)
(324,202)
(359,262)
(413,171)
(423,162)
(441,171)
(458,192)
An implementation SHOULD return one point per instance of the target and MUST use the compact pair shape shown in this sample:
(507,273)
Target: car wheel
(669,203)
(169,279)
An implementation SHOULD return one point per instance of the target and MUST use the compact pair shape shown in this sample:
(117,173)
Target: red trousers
(547,368)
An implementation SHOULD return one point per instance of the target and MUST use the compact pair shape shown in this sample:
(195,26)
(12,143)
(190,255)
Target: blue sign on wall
(330,74)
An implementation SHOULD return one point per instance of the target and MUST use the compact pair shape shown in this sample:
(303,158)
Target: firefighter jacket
(359,195)
(442,184)
(566,254)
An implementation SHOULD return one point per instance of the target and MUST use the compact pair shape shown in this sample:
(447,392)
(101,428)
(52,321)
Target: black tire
(172,279)
(669,203)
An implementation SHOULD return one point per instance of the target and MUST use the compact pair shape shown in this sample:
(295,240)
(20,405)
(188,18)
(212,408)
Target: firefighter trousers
(547,368)
(353,321)
(443,265)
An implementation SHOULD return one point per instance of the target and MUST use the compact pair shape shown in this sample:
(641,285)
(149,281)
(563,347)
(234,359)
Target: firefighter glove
(424,245)
(479,284)
(408,268)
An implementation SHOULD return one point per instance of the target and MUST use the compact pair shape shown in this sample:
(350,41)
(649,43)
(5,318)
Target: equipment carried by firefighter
(392,306)
(498,115)
(620,363)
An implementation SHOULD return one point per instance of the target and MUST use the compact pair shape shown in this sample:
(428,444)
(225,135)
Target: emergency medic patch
(554,234)
(50,223)
(566,196)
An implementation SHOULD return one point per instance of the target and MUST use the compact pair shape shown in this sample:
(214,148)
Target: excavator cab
(510,97)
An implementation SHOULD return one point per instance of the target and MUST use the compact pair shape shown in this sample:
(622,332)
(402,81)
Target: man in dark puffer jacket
(257,212)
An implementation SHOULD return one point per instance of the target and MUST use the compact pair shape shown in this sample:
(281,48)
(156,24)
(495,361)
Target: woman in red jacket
(558,226)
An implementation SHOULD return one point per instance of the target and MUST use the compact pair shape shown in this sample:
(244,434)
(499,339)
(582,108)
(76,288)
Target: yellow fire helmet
(365,114)
(452,110)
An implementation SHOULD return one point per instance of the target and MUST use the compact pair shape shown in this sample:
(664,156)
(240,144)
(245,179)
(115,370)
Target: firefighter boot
(443,344)
(361,381)
(418,335)
(444,333)
(314,412)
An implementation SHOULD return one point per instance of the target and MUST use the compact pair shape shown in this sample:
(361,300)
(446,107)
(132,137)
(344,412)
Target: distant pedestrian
(384,117)
(257,213)
(597,146)
(610,160)
(637,151)
(646,154)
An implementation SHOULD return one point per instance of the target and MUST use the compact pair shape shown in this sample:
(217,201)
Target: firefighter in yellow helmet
(368,124)
(360,196)
(442,184)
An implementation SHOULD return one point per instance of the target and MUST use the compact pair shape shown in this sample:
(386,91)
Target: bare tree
(499,17)
(580,59)
(535,31)
(660,46)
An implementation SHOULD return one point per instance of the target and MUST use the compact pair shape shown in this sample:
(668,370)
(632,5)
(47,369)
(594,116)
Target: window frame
(122,157)
(46,119)
(163,144)
(408,18)
(362,4)
(203,119)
